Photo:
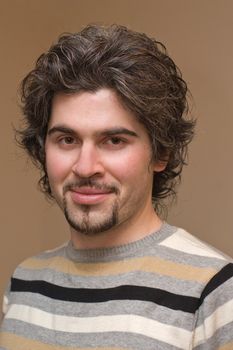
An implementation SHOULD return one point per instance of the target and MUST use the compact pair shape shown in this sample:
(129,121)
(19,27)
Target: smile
(89,196)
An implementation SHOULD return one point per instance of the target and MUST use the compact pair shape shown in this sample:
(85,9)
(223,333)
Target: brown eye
(68,140)
(115,141)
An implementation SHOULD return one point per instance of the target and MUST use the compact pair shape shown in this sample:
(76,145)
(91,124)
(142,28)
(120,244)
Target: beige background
(198,34)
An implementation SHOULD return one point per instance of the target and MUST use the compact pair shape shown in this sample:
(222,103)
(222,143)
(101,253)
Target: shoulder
(36,266)
(189,249)
(202,262)
(185,242)
(39,267)
(213,317)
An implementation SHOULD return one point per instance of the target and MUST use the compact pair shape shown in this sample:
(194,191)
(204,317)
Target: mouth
(89,195)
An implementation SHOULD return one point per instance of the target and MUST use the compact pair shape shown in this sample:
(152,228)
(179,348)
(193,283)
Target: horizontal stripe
(14,342)
(130,341)
(115,307)
(186,243)
(221,317)
(124,292)
(222,276)
(56,249)
(132,324)
(222,336)
(5,304)
(138,278)
(145,264)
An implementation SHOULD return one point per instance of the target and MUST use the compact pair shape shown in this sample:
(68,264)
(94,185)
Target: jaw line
(91,227)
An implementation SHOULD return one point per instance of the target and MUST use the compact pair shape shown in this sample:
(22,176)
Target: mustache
(92,184)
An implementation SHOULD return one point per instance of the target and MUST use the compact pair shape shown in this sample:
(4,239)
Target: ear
(159,165)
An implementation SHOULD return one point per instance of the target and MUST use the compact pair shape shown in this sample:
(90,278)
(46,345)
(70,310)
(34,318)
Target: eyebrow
(117,131)
(60,128)
(106,132)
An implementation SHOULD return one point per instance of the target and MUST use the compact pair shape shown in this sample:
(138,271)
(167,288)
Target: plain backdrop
(198,35)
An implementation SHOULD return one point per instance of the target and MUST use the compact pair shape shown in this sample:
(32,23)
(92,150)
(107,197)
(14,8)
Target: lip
(89,196)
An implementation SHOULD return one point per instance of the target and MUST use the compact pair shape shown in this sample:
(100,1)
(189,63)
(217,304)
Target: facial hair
(84,223)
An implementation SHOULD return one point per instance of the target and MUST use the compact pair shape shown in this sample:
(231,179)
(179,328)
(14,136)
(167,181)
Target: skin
(98,159)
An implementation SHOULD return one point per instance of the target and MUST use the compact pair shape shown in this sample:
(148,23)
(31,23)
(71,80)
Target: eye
(68,140)
(115,140)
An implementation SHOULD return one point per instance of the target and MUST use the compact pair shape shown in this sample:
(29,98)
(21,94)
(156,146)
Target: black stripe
(125,292)
(222,276)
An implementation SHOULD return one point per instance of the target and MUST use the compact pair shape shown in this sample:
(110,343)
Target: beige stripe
(145,264)
(15,342)
(228,346)
(132,323)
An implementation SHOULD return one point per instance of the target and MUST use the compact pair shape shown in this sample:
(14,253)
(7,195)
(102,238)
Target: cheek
(133,168)
(57,166)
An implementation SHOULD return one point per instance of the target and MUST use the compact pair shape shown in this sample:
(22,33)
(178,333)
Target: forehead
(92,111)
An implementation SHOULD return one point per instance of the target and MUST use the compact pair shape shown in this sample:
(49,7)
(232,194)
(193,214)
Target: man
(105,122)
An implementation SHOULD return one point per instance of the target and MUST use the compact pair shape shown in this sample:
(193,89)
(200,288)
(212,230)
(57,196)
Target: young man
(105,122)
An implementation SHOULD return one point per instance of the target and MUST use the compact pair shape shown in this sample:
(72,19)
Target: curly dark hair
(137,68)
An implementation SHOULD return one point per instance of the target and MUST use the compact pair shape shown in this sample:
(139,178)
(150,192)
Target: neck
(123,233)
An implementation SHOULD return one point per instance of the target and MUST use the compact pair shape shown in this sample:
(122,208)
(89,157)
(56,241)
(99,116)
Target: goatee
(87,225)
(85,222)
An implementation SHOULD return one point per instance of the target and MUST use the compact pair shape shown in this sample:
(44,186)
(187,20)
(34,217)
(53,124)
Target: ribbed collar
(121,251)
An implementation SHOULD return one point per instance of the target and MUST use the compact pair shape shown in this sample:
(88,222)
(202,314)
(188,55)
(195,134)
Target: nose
(88,162)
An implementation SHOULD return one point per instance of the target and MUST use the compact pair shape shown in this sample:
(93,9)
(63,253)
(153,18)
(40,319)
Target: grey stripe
(129,251)
(139,278)
(145,309)
(187,258)
(108,339)
(112,254)
(220,338)
(218,297)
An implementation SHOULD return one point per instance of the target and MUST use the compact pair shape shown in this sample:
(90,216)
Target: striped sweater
(167,291)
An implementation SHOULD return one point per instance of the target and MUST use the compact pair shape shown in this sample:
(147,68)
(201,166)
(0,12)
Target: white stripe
(187,243)
(5,304)
(57,248)
(117,323)
(219,318)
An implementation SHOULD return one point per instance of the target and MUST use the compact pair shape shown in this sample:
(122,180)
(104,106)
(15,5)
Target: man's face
(98,160)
